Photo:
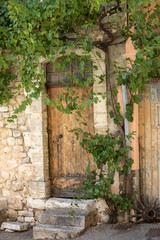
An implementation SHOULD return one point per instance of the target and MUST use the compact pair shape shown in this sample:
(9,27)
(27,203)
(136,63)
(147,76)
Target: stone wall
(23,174)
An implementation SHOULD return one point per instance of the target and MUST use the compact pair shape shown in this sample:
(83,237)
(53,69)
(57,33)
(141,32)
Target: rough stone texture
(36,203)
(39,189)
(56,232)
(55,203)
(15,226)
(3,215)
(102,211)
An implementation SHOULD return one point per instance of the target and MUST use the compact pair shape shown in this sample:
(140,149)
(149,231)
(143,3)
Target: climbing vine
(30,30)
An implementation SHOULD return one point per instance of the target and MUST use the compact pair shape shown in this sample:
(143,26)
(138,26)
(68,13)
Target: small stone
(3,109)
(8,230)
(11,141)
(5,115)
(17,186)
(29,219)
(20,219)
(15,226)
(19,141)
(25,213)
(16,133)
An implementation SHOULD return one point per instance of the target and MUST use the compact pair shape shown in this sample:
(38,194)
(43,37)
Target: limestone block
(8,184)
(38,173)
(17,186)
(27,139)
(29,219)
(35,122)
(1,124)
(11,141)
(12,125)
(102,211)
(16,133)
(3,202)
(21,120)
(20,219)
(15,203)
(19,141)
(12,214)
(15,226)
(4,174)
(3,109)
(36,139)
(7,149)
(25,213)
(5,115)
(36,155)
(37,214)
(4,133)
(36,203)
(25,172)
(36,106)
(18,148)
(39,189)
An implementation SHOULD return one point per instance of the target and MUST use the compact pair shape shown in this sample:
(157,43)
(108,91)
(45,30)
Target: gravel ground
(103,232)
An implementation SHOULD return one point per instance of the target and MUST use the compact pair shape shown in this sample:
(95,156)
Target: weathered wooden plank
(141,144)
(154,168)
(147,136)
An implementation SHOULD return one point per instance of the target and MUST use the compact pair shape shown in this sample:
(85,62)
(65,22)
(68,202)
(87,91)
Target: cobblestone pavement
(103,232)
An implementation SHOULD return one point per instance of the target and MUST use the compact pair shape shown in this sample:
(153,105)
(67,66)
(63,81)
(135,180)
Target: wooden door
(149,140)
(68,161)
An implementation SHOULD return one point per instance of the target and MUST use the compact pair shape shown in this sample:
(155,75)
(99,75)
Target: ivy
(33,29)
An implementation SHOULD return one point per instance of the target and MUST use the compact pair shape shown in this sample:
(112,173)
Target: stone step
(56,232)
(63,217)
(15,226)
(59,203)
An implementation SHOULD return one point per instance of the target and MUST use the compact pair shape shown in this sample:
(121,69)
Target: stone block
(35,122)
(12,215)
(36,155)
(4,174)
(29,219)
(27,139)
(36,203)
(59,232)
(12,125)
(25,213)
(3,109)
(36,139)
(15,203)
(11,141)
(25,171)
(21,120)
(39,189)
(17,186)
(20,219)
(19,141)
(15,226)
(5,115)
(16,133)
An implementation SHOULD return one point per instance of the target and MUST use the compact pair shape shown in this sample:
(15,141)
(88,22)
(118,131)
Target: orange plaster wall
(130,53)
